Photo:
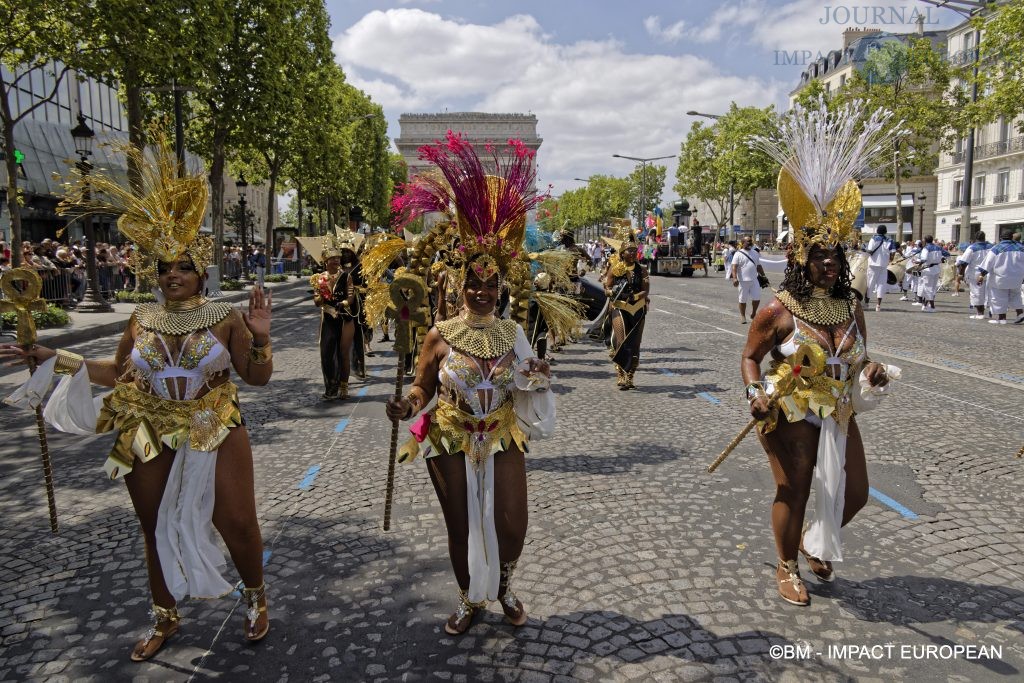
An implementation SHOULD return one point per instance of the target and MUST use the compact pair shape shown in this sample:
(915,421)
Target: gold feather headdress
(822,153)
(162,220)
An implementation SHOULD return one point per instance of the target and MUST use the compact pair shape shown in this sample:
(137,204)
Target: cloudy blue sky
(602,77)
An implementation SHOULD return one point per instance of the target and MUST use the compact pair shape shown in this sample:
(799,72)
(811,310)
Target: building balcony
(994,149)
(958,157)
(977,201)
(956,204)
(1001,199)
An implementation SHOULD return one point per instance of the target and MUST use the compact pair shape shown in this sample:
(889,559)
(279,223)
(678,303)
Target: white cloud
(666,34)
(592,98)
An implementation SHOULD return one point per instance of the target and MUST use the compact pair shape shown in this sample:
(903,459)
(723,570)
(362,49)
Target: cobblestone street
(638,564)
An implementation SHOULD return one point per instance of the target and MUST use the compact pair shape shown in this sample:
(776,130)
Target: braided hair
(797,280)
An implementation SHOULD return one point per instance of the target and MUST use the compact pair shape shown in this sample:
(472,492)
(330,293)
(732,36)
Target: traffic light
(19,157)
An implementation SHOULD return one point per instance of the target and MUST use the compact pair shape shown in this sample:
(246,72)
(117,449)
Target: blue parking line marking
(668,373)
(954,364)
(1012,378)
(310,477)
(708,397)
(340,427)
(362,392)
(886,500)
(266,556)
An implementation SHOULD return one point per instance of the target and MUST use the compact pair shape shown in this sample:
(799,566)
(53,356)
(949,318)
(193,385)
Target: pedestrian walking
(747,275)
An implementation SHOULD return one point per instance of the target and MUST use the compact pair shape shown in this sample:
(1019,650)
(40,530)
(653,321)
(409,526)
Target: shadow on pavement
(623,460)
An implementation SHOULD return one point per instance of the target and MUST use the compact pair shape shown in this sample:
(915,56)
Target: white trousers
(929,283)
(878,282)
(750,290)
(1005,299)
(979,293)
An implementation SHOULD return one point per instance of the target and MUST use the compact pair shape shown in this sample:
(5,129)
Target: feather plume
(380,256)
(562,313)
(557,263)
(823,150)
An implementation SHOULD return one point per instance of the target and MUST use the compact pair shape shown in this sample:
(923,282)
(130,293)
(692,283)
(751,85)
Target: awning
(783,235)
(879,201)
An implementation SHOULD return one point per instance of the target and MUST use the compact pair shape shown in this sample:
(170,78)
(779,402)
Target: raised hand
(12,354)
(258,316)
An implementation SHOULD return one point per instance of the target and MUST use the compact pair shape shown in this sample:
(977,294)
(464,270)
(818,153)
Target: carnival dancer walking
(491,391)
(817,338)
(628,287)
(181,446)
(332,294)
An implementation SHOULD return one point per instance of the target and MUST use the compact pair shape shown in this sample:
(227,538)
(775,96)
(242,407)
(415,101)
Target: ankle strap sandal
(252,597)
(795,592)
(511,605)
(462,618)
(159,615)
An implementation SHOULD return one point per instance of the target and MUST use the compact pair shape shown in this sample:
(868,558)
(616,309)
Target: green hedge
(307,272)
(276,277)
(231,285)
(53,316)
(135,297)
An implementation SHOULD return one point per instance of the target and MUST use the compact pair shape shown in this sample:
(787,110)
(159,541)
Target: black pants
(330,350)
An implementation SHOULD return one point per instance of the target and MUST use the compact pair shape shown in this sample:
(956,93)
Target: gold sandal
(820,568)
(511,605)
(794,593)
(252,614)
(462,618)
(159,615)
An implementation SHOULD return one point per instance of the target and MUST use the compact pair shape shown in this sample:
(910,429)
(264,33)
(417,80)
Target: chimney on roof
(852,35)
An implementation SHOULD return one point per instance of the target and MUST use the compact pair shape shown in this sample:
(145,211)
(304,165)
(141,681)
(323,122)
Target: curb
(85,334)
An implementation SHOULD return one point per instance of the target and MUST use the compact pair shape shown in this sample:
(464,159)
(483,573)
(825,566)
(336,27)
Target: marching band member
(967,264)
(1003,269)
(930,260)
(880,250)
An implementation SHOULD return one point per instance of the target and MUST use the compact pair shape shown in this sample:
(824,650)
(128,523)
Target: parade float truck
(677,259)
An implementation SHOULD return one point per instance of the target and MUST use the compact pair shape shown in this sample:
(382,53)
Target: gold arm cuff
(416,397)
(260,355)
(68,363)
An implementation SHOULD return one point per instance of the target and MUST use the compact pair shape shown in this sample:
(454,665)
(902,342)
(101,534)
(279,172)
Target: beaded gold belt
(145,423)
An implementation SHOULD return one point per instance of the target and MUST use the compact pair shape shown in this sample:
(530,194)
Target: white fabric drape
(190,558)
(484,565)
(822,539)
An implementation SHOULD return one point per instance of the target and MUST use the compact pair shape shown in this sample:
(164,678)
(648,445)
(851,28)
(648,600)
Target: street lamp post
(93,301)
(643,181)
(241,185)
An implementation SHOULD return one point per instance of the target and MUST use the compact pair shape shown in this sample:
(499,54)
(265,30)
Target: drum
(592,297)
(859,274)
(897,270)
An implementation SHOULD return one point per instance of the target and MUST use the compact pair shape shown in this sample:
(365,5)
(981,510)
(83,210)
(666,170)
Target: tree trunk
(217,194)
(268,239)
(13,203)
(136,126)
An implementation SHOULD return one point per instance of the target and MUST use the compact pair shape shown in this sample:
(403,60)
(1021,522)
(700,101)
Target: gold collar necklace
(480,336)
(820,310)
(181,317)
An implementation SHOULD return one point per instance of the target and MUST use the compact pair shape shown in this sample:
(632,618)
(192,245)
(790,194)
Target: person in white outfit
(930,259)
(1003,267)
(879,250)
(967,264)
(910,278)
(746,267)
(727,256)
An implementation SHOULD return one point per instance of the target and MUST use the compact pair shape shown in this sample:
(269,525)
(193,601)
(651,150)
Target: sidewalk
(88,326)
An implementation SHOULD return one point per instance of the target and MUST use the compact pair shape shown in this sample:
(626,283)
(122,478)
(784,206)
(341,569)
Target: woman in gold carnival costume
(814,330)
(334,292)
(491,391)
(181,446)
(628,287)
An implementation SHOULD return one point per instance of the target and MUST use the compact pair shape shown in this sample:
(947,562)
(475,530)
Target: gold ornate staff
(22,302)
(407,295)
(806,362)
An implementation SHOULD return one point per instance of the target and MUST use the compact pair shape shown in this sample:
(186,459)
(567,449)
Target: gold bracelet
(416,398)
(68,363)
(260,355)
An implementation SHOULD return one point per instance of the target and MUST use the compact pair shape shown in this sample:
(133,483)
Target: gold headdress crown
(329,248)
(821,153)
(162,219)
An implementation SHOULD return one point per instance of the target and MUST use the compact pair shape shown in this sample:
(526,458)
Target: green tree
(1001,76)
(911,80)
(144,45)
(698,176)
(32,35)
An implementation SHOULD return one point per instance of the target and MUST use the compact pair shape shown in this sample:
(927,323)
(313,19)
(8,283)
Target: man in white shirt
(930,259)
(967,264)
(1003,267)
(746,267)
(879,250)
